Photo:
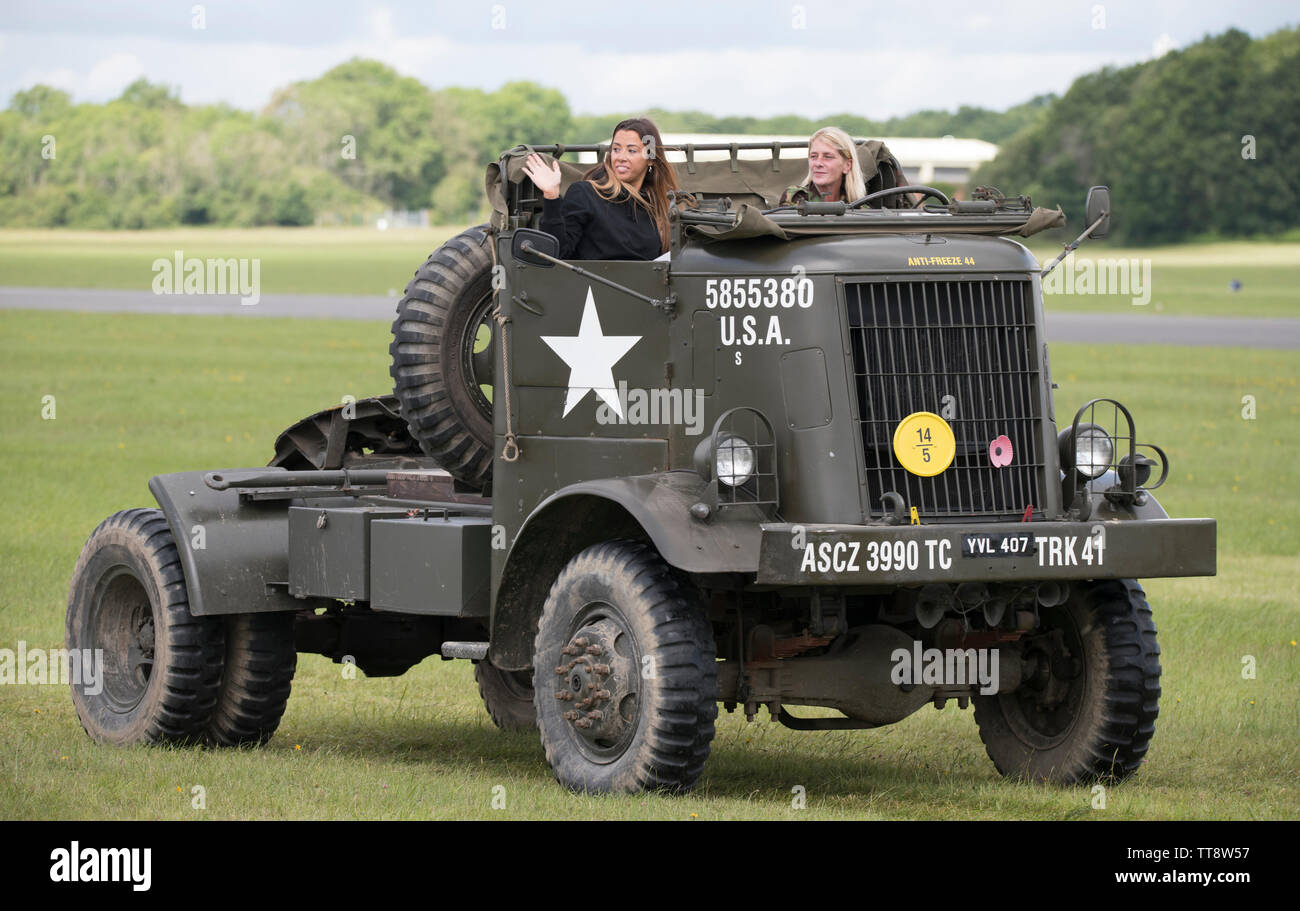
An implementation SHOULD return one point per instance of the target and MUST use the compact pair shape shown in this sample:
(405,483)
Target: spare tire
(442,356)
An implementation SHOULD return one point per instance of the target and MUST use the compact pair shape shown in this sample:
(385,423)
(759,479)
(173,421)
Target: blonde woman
(619,210)
(834,174)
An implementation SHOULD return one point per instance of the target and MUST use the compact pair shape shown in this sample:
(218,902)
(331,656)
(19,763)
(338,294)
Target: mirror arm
(667,304)
(1074,245)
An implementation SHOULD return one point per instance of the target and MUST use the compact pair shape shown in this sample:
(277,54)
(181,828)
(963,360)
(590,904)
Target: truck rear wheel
(159,667)
(260,661)
(625,680)
(442,356)
(507,696)
(1087,708)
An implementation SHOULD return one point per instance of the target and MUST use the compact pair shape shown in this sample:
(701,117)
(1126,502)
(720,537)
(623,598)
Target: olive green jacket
(809,193)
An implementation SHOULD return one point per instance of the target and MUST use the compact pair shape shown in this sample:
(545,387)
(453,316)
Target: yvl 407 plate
(997,545)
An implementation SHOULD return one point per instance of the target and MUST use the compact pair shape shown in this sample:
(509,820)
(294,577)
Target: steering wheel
(881,194)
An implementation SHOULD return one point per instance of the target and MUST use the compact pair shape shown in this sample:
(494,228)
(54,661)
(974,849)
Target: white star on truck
(591,356)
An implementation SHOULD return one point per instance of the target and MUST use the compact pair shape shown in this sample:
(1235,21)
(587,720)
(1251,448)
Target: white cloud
(381,24)
(110,76)
(757,80)
(59,78)
(1163,45)
(764,81)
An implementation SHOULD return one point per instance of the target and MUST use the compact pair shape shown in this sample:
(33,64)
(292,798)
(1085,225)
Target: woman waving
(619,210)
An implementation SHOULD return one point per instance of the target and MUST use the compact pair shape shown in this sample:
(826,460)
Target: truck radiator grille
(960,348)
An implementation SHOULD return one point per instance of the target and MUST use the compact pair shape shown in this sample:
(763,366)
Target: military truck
(808,458)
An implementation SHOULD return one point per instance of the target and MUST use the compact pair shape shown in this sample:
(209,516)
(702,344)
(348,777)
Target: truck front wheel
(1087,707)
(625,680)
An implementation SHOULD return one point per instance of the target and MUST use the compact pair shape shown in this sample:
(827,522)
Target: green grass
(1186,280)
(140,395)
(360,261)
(1190,279)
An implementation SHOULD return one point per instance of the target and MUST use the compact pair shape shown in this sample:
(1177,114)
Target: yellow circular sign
(924,443)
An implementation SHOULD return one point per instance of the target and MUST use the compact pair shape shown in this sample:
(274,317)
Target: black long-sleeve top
(589,227)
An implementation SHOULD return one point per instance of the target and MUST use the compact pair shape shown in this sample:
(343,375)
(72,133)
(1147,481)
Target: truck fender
(655,507)
(235,555)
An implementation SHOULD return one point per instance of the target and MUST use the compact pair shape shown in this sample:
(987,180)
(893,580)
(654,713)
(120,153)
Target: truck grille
(917,343)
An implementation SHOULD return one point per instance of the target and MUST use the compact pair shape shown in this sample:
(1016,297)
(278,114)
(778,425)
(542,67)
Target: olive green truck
(807,463)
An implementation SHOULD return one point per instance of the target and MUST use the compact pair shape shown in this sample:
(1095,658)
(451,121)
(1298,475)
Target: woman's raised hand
(547,179)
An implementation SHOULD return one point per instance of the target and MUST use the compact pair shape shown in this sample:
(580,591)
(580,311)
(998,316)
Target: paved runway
(1109,328)
(102,300)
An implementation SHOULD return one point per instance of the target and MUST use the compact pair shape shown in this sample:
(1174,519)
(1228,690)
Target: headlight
(734,462)
(1093,450)
(1134,471)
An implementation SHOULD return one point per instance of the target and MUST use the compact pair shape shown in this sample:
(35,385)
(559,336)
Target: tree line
(1201,141)
(359,139)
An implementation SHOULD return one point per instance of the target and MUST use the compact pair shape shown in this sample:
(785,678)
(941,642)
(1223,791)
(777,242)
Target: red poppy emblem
(1000,452)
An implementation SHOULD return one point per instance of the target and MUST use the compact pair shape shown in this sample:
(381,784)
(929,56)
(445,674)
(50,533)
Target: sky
(756,58)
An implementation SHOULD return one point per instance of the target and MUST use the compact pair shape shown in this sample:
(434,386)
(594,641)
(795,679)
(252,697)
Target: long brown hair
(659,180)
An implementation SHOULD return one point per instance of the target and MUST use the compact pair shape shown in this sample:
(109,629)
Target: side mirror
(1098,205)
(527,242)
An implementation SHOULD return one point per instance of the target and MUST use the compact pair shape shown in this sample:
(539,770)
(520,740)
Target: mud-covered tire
(161,666)
(436,372)
(1102,727)
(260,660)
(647,626)
(507,696)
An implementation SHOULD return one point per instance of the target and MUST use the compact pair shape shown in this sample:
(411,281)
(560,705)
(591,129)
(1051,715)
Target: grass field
(140,395)
(1187,280)
(293,260)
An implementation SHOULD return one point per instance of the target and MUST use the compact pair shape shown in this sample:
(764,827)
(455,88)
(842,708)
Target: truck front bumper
(983,552)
